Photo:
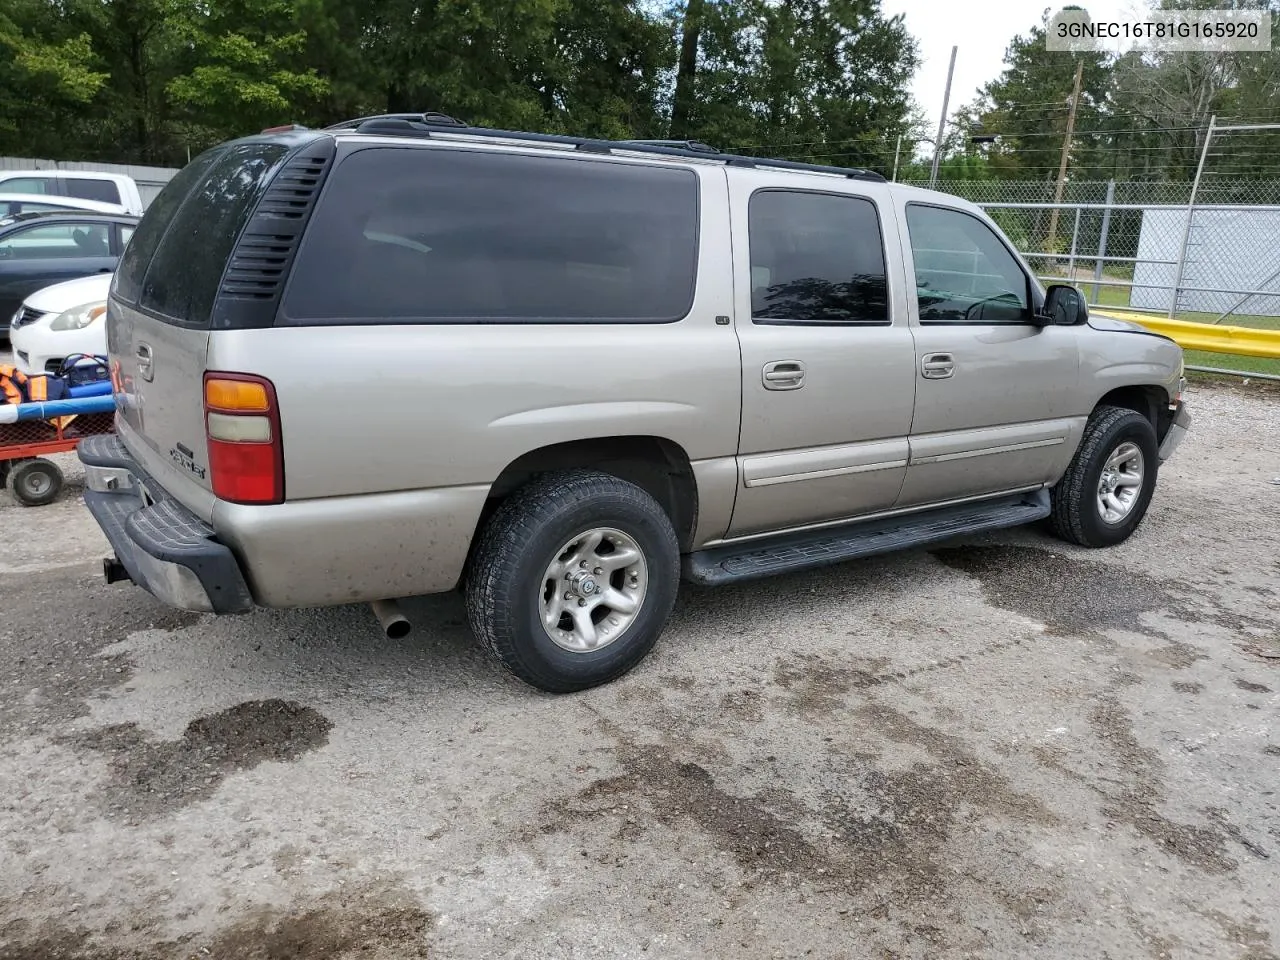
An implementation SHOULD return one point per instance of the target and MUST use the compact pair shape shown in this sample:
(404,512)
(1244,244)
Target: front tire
(1106,490)
(573,579)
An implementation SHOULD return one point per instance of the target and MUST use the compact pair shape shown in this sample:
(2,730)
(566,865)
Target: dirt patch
(1067,594)
(376,922)
(914,811)
(884,833)
(818,686)
(1180,656)
(1252,687)
(151,778)
(756,836)
(1246,933)
(745,705)
(1137,802)
(50,675)
(1187,686)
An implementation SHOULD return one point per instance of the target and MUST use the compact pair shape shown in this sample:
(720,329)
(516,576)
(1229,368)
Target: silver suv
(406,356)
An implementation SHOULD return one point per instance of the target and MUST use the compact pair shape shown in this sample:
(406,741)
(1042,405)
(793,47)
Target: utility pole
(896,150)
(1066,152)
(942,120)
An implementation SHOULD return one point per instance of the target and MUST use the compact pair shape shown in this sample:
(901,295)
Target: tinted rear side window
(816,258)
(182,281)
(133,265)
(414,235)
(101,190)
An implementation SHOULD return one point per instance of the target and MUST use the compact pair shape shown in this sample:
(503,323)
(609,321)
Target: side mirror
(1064,306)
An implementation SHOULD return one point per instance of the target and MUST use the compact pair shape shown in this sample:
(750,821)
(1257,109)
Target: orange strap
(38,389)
(11,382)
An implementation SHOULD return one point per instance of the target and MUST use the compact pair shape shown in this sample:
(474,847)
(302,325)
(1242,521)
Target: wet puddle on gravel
(1068,594)
(154,777)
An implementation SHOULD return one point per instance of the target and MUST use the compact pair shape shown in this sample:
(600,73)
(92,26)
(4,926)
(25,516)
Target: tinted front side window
(455,236)
(127,283)
(86,189)
(816,258)
(964,274)
(182,281)
(57,241)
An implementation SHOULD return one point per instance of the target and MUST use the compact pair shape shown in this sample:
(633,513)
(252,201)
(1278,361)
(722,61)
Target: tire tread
(1069,497)
(490,603)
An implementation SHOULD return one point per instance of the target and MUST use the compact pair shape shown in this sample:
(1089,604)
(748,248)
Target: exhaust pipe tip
(394,623)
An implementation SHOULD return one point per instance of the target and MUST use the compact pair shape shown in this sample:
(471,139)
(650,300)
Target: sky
(982,30)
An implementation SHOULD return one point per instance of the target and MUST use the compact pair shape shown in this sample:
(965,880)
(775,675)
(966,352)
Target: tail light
(242,423)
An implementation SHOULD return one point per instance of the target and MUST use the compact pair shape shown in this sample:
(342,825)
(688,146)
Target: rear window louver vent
(260,262)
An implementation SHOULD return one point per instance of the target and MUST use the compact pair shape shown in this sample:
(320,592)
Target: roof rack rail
(422,118)
(428,124)
(696,145)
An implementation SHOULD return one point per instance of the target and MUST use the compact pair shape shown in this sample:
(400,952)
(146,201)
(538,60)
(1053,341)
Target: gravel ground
(1002,747)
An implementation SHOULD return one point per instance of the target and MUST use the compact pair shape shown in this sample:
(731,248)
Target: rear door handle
(783,375)
(937,366)
(142,353)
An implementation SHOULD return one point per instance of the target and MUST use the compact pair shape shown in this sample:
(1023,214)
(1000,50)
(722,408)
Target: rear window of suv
(174,262)
(406,235)
(182,281)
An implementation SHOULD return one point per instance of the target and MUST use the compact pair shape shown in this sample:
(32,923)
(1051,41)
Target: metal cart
(23,445)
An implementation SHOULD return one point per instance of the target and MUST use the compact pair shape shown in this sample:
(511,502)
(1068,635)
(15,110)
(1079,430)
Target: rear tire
(1104,494)
(36,482)
(573,579)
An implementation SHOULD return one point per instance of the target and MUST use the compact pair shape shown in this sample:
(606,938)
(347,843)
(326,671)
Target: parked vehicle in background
(587,368)
(40,249)
(60,321)
(12,204)
(114,188)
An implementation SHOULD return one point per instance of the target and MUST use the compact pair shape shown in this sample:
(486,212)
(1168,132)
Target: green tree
(47,70)
(822,80)
(244,67)
(1026,109)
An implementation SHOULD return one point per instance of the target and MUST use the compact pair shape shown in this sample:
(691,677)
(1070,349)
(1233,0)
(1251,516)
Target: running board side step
(820,548)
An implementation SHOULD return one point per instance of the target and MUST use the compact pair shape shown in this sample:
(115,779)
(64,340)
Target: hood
(1100,321)
(70,293)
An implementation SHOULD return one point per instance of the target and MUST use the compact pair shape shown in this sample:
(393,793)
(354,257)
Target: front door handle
(783,375)
(937,366)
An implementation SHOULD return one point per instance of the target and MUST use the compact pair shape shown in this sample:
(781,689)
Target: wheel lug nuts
(582,603)
(583,564)
(598,571)
(568,596)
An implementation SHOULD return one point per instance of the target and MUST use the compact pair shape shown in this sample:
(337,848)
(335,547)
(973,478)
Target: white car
(11,203)
(58,321)
(113,188)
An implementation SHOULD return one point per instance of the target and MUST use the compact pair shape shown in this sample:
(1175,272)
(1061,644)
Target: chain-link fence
(1204,252)
(1215,190)
(1129,244)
